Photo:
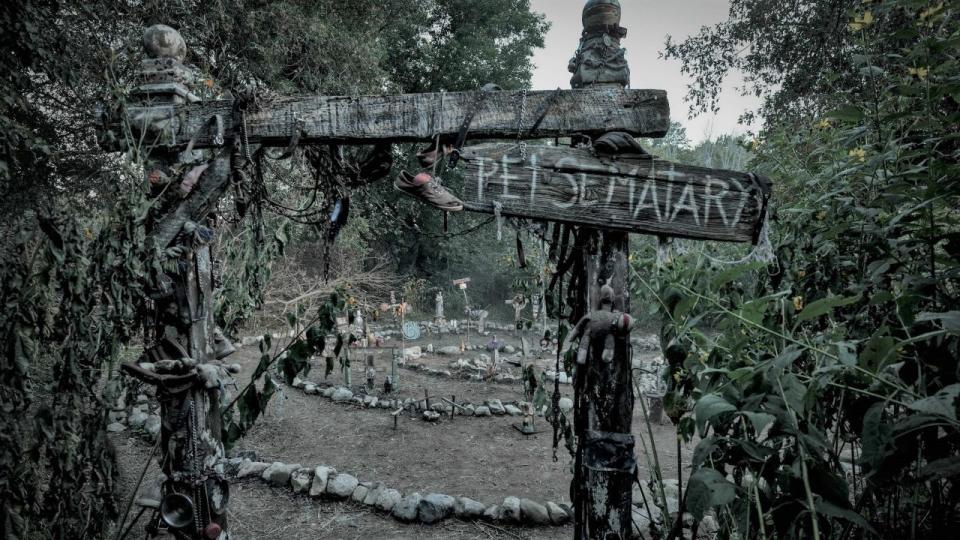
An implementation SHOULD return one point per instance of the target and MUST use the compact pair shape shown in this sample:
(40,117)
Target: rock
(496,407)
(465,508)
(360,494)
(510,510)
(564,378)
(230,466)
(116,427)
(492,513)
(251,340)
(310,389)
(412,353)
(567,508)
(372,493)
(300,479)
(341,394)
(469,410)
(430,348)
(558,516)
(566,404)
(342,485)
(641,521)
(512,410)
(368,400)
(252,468)
(435,507)
(328,392)
(390,498)
(431,416)
(534,513)
(449,350)
(117,416)
(485,358)
(406,509)
(299,383)
(138,419)
(321,476)
(278,473)
(482,410)
(142,398)
(709,525)
(509,349)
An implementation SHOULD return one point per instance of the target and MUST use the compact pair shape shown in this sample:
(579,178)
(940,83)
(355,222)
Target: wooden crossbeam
(401,118)
(649,196)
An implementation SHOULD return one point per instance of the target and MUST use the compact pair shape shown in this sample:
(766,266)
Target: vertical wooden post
(191,446)
(602,485)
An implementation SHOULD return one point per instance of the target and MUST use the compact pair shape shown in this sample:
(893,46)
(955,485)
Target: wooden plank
(406,117)
(649,196)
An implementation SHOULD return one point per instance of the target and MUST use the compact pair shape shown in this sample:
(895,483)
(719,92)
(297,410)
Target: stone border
(489,408)
(325,483)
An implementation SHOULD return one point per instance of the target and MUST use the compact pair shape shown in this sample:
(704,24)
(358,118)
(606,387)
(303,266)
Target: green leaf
(848,113)
(948,467)
(824,306)
(707,408)
(943,403)
(708,488)
(827,508)
(734,273)
(950,320)
(876,437)
(760,420)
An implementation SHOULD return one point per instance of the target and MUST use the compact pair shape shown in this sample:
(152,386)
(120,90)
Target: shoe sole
(456,208)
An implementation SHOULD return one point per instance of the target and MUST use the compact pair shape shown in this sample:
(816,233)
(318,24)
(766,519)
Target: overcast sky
(648,22)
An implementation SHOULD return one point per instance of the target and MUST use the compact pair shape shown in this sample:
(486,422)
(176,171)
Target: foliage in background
(74,293)
(74,288)
(826,398)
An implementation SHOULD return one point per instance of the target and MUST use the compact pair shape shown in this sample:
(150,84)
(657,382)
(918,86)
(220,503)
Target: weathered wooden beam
(401,118)
(649,196)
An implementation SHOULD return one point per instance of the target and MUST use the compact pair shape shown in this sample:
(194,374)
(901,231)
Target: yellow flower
(919,72)
(88,233)
(824,124)
(861,22)
(859,153)
(798,303)
(802,274)
(930,12)
(755,144)
(821,215)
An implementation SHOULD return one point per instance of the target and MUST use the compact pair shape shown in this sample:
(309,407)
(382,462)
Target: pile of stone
(649,342)
(490,407)
(142,416)
(473,370)
(326,483)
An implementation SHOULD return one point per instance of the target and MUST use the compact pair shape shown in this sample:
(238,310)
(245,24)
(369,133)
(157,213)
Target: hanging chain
(521,113)
(246,136)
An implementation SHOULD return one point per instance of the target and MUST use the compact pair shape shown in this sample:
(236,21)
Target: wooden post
(605,464)
(191,445)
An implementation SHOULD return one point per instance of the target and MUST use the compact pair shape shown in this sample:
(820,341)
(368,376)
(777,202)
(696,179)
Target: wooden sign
(400,118)
(649,196)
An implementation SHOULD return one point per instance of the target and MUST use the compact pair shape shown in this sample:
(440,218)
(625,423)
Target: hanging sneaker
(429,155)
(426,188)
(618,143)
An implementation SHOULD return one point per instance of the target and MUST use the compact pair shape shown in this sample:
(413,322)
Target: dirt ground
(482,458)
